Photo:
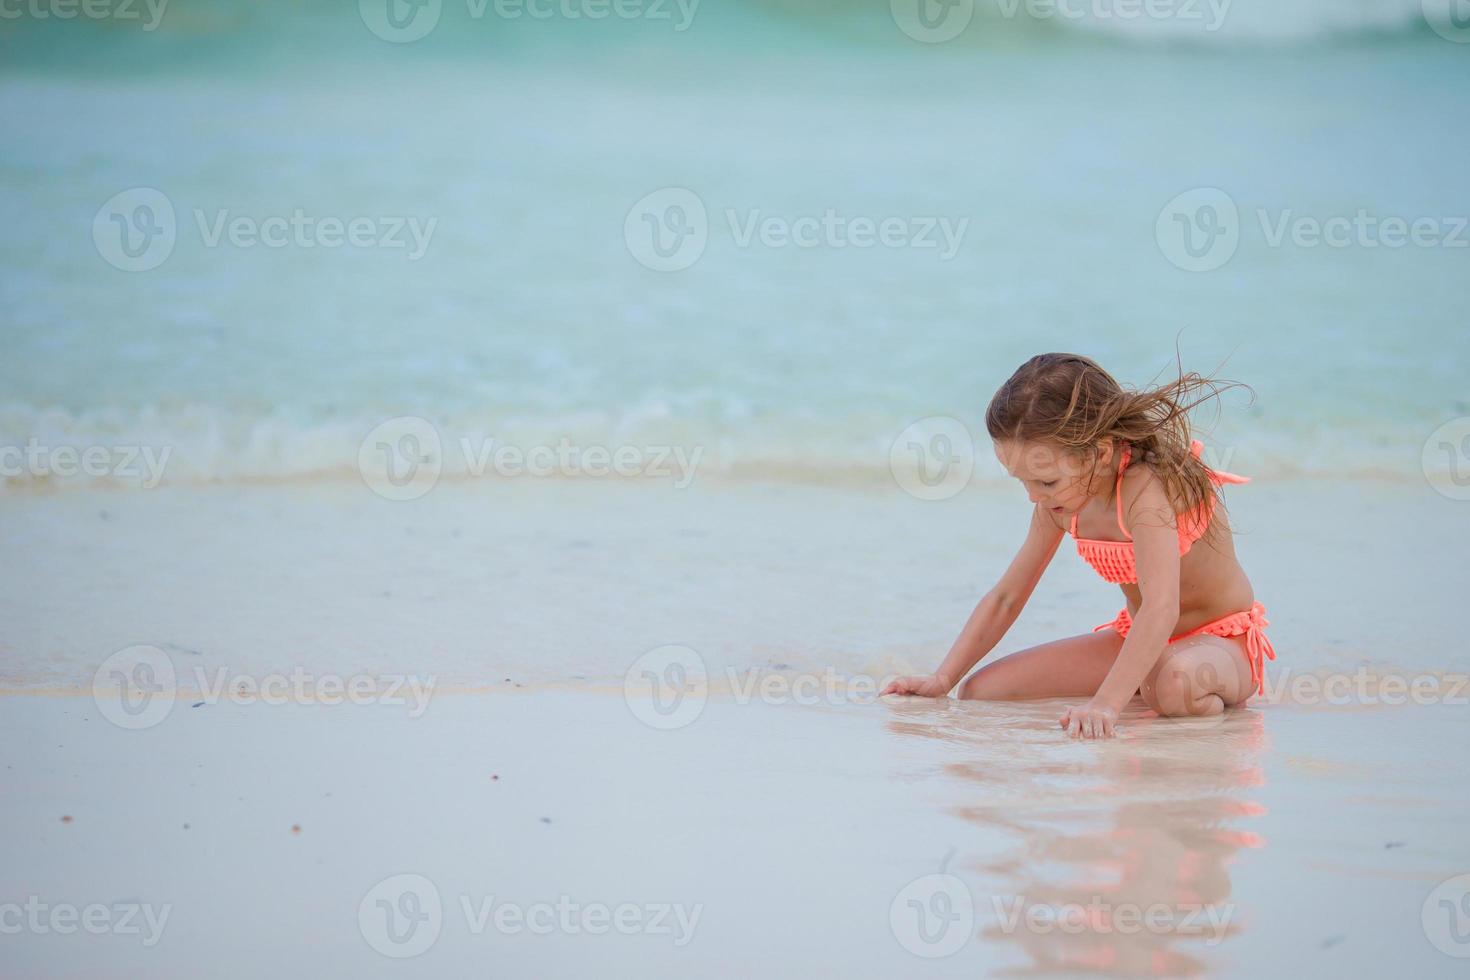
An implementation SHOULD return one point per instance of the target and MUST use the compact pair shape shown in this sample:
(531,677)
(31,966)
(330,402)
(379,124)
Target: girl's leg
(1199,675)
(1069,668)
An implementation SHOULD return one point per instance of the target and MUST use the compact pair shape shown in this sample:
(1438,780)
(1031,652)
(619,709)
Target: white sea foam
(198,444)
(1270,22)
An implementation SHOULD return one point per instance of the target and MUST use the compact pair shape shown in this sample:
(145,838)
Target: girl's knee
(1173,696)
(1183,686)
(987,684)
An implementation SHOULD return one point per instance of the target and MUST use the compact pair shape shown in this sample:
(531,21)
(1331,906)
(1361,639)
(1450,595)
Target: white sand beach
(783,821)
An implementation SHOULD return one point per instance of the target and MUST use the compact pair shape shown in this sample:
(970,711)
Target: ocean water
(530,265)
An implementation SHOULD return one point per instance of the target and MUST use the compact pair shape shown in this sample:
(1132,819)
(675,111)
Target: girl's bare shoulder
(1143,492)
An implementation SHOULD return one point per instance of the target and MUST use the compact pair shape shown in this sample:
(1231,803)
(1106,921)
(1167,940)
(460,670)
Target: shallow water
(528,317)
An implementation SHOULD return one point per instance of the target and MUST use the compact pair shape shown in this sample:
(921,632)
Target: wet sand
(568,817)
(796,839)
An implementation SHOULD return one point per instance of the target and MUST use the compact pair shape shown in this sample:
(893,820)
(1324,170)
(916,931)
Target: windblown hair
(1069,401)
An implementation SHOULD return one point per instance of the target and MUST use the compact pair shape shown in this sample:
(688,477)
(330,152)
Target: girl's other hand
(924,686)
(1090,720)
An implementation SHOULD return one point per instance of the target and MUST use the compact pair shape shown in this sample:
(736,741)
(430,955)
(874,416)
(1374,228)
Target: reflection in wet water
(1121,855)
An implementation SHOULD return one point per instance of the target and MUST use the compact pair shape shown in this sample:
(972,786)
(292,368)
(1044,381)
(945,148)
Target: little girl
(1119,471)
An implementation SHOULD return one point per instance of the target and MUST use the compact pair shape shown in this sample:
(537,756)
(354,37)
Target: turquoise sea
(780,231)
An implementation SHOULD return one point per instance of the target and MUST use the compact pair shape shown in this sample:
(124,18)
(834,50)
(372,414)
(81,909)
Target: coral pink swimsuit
(1114,561)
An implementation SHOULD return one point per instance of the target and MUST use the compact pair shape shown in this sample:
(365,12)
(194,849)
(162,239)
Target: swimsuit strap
(1118,490)
(1196,448)
(1258,645)
(1218,476)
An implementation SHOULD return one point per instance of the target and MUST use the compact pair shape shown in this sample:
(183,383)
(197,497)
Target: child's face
(1054,477)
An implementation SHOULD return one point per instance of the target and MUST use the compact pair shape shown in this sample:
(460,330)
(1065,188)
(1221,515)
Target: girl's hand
(1091,720)
(925,686)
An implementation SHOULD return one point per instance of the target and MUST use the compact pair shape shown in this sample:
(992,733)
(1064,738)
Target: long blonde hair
(1069,401)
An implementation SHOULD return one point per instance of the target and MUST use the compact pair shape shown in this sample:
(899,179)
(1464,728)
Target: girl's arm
(994,614)
(1156,552)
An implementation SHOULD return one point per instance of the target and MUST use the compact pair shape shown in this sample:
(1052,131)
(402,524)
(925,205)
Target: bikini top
(1114,560)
